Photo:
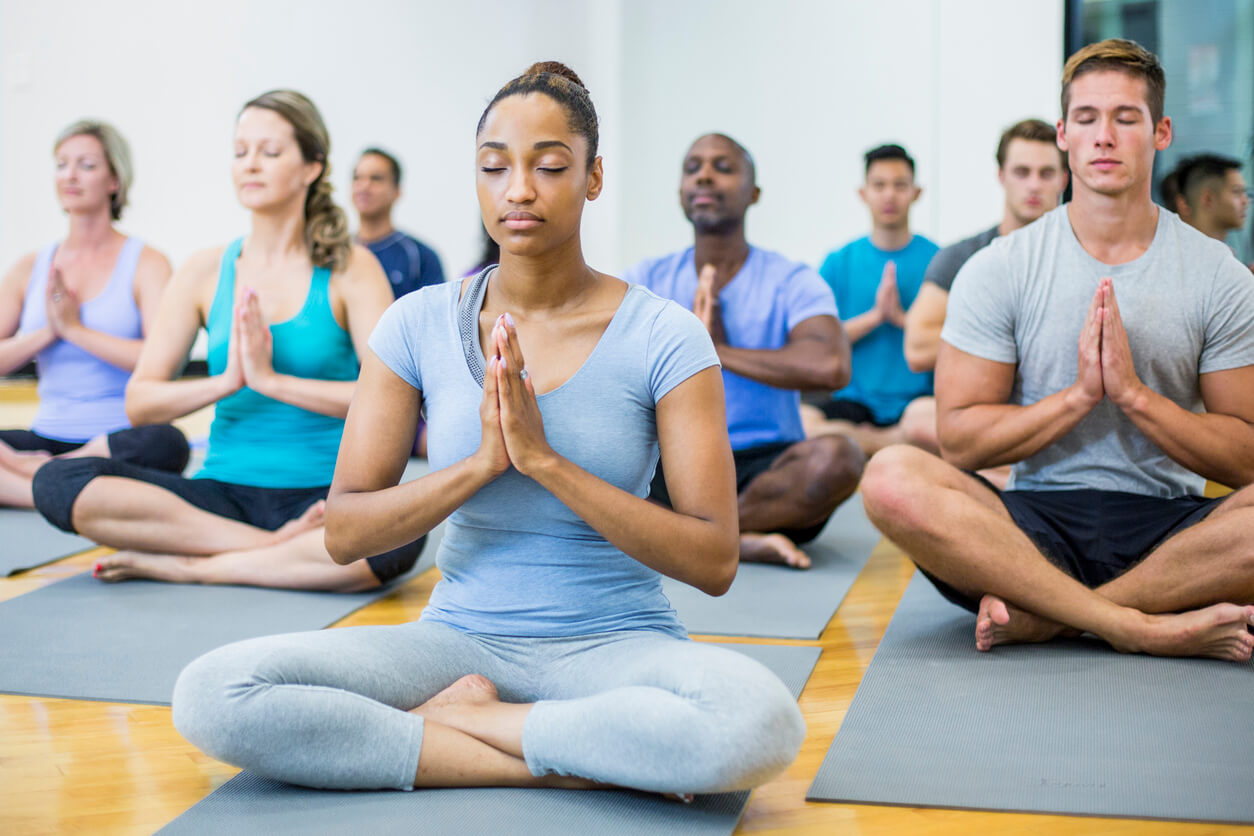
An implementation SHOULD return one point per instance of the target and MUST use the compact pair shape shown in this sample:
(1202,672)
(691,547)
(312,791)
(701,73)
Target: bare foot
(313,517)
(772,548)
(470,690)
(128,565)
(1220,631)
(1000,623)
(25,462)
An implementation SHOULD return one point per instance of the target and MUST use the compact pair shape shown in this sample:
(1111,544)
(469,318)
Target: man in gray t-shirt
(1107,351)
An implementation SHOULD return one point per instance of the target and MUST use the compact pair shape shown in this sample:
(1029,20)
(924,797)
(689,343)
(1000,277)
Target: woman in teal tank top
(287,310)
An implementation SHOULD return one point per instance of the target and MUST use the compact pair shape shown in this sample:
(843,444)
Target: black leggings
(159,446)
(58,484)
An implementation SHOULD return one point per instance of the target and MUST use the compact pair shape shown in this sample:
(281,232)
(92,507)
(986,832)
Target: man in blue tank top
(875,279)
(408,263)
(774,325)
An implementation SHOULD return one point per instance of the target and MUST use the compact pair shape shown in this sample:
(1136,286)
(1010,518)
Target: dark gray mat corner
(79,638)
(775,602)
(248,804)
(1068,727)
(27,541)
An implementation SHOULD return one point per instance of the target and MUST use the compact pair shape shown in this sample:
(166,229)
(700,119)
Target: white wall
(807,85)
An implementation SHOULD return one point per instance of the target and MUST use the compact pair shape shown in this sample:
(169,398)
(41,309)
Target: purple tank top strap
(33,314)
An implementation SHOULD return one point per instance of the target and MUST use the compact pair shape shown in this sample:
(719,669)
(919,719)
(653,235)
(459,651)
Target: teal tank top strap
(318,302)
(222,309)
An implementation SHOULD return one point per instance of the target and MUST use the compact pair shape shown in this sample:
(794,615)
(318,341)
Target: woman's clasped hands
(250,351)
(513,429)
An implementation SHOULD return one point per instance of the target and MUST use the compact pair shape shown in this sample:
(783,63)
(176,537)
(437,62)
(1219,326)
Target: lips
(521,220)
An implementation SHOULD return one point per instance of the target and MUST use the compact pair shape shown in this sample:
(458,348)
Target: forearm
(863,324)
(116,351)
(326,397)
(161,401)
(361,524)
(989,435)
(795,366)
(1219,447)
(19,350)
(922,344)
(697,551)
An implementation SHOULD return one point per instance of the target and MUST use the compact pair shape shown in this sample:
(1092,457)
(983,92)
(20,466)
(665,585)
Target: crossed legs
(958,530)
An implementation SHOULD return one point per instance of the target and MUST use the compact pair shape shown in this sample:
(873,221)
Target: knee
(159,446)
(892,485)
(918,424)
(836,465)
(208,702)
(58,483)
(758,743)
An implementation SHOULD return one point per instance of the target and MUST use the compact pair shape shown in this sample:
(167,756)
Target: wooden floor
(99,768)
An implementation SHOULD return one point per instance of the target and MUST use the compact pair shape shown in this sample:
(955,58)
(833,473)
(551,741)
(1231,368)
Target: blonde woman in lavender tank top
(80,308)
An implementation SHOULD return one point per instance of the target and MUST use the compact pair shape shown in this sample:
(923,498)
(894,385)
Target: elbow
(919,359)
(835,375)
(337,536)
(960,455)
(723,568)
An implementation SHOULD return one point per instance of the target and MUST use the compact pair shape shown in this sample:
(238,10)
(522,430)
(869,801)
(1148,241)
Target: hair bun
(555,68)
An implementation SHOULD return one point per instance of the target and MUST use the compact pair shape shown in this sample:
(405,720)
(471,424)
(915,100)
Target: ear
(1162,134)
(1061,135)
(313,171)
(596,180)
(918,190)
(862,194)
(756,195)
(1001,176)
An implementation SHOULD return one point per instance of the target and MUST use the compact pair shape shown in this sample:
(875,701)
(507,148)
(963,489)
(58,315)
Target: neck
(1009,223)
(727,252)
(1209,226)
(891,237)
(1113,226)
(277,236)
(544,283)
(375,228)
(90,231)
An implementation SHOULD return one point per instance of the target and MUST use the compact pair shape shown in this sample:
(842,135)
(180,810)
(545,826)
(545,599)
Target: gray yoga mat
(1068,727)
(82,639)
(27,541)
(248,804)
(776,602)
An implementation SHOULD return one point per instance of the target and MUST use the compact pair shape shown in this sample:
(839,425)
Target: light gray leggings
(635,709)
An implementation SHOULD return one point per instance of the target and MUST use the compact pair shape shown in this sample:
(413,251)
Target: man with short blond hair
(1105,351)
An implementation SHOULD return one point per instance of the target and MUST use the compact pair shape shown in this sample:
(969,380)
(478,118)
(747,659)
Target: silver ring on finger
(56,297)
(523,375)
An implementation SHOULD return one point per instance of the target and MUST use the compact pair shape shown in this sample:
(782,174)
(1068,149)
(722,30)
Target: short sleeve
(679,347)
(943,267)
(980,317)
(390,340)
(1229,340)
(807,296)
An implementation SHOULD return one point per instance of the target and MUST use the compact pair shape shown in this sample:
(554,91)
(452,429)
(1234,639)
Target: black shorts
(58,484)
(1093,536)
(159,446)
(751,463)
(853,412)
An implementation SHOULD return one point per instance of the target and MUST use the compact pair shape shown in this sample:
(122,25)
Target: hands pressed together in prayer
(705,304)
(888,299)
(62,306)
(250,351)
(513,429)
(1105,355)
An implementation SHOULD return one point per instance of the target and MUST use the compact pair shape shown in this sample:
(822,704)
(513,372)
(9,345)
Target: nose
(520,188)
(1105,133)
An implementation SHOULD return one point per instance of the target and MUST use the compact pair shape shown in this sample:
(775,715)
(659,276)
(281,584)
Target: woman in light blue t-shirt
(548,654)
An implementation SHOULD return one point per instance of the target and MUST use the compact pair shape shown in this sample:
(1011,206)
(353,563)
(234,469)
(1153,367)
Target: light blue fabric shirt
(516,561)
(881,380)
(762,303)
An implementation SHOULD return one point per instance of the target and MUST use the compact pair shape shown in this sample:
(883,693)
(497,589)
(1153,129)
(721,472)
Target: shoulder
(839,258)
(785,270)
(648,270)
(923,244)
(153,264)
(19,272)
(202,264)
(362,268)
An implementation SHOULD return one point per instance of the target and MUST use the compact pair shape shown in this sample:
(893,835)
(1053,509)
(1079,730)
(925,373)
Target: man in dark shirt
(408,263)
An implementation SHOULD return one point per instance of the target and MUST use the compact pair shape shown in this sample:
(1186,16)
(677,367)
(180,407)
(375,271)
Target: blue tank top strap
(35,288)
(224,295)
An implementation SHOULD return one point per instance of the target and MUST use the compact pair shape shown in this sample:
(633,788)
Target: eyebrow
(539,146)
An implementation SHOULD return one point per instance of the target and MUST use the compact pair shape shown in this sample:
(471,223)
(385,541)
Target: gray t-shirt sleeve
(390,338)
(1229,340)
(980,317)
(944,266)
(679,347)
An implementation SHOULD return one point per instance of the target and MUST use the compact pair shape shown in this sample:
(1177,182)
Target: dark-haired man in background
(408,263)
(1033,173)
(775,327)
(1215,192)
(875,280)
